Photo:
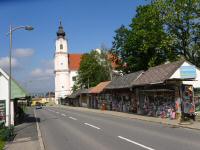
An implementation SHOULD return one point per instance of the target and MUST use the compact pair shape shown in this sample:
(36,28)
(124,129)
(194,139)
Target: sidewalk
(26,134)
(173,123)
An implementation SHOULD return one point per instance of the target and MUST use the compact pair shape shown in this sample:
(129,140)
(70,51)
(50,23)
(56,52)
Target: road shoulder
(26,134)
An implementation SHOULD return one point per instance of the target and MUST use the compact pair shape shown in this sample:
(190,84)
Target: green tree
(145,43)
(92,70)
(182,22)
(118,46)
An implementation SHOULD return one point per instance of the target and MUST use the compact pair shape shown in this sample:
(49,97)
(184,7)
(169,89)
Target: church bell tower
(62,86)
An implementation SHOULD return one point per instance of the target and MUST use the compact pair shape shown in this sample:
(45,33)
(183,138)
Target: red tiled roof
(74,61)
(100,87)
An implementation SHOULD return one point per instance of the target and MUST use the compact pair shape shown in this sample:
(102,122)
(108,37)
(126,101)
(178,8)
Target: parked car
(38,106)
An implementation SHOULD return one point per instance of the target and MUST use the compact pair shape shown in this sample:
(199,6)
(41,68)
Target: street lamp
(11,30)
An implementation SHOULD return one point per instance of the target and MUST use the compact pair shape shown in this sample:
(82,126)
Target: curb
(42,147)
(169,124)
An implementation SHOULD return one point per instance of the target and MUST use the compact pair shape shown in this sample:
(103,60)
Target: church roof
(74,61)
(61,32)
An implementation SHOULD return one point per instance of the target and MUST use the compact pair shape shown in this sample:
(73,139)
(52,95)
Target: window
(73,78)
(61,46)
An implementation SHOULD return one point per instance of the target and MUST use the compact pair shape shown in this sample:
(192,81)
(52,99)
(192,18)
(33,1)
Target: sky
(88,24)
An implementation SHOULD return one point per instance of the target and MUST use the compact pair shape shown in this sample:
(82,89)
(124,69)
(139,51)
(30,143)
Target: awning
(158,90)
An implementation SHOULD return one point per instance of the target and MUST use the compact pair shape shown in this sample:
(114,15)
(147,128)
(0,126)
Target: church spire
(61,32)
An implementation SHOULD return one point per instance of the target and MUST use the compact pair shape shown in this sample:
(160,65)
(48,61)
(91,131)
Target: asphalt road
(65,129)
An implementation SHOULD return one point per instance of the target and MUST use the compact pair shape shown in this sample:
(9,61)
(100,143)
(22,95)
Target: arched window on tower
(61,46)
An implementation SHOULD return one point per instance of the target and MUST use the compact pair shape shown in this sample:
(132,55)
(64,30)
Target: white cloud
(4,62)
(23,52)
(38,72)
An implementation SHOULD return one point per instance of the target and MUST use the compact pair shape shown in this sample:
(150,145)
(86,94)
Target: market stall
(157,102)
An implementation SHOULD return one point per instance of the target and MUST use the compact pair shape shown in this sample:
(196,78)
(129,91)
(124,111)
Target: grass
(2,144)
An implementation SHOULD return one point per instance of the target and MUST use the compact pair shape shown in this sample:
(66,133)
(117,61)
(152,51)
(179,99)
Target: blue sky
(87,23)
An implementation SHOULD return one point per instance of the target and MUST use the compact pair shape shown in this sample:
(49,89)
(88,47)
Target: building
(123,95)
(17,94)
(97,96)
(66,66)
(156,91)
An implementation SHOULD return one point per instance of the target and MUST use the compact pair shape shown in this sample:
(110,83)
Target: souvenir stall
(157,102)
(93,101)
(122,102)
(97,96)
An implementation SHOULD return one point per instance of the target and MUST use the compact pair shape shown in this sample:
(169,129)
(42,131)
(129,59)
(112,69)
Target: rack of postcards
(157,103)
(121,103)
(188,104)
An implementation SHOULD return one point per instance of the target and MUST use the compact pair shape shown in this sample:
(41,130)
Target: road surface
(66,129)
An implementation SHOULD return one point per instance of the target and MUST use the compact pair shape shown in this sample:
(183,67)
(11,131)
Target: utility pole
(10,33)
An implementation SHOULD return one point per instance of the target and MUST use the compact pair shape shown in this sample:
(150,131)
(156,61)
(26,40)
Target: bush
(2,144)
(6,133)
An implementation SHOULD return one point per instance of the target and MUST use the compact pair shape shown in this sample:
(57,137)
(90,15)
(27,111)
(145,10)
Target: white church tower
(62,77)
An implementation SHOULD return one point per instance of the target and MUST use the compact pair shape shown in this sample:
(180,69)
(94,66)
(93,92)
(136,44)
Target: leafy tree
(92,70)
(163,30)
(182,21)
(145,44)
(118,47)
(107,62)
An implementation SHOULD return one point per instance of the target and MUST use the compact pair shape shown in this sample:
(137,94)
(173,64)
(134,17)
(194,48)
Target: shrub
(6,133)
(2,144)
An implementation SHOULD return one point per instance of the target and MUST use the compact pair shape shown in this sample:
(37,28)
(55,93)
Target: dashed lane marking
(63,115)
(92,126)
(72,118)
(136,143)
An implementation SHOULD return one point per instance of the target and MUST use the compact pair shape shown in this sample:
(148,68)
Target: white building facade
(66,66)
(4,97)
(188,70)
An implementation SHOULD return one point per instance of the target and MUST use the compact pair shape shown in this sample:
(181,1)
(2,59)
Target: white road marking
(92,126)
(136,143)
(72,118)
(39,133)
(63,114)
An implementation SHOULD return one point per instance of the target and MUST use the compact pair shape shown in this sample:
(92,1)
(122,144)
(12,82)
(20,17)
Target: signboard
(2,110)
(188,72)
(188,105)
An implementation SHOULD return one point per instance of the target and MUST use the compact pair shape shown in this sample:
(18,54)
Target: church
(66,66)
